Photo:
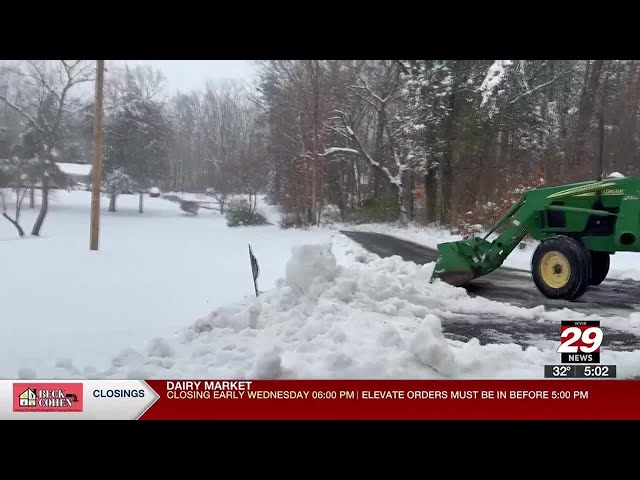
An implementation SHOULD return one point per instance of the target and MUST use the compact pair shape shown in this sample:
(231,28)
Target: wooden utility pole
(96,169)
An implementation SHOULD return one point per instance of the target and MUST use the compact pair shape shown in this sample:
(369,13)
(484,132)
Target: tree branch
(368,100)
(393,179)
(29,118)
(332,150)
(538,87)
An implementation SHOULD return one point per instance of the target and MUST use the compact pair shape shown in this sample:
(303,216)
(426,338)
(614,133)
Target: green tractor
(579,226)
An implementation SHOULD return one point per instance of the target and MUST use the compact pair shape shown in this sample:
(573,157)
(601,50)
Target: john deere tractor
(579,226)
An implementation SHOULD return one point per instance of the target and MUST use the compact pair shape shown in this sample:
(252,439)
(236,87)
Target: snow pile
(615,175)
(430,348)
(309,265)
(378,319)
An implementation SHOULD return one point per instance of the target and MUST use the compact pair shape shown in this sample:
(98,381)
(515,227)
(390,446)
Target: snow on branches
(118,181)
(495,76)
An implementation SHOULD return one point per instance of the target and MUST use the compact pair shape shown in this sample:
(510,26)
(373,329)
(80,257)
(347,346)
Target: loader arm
(460,262)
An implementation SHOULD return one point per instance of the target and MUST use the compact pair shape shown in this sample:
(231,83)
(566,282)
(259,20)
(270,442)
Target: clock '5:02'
(596,370)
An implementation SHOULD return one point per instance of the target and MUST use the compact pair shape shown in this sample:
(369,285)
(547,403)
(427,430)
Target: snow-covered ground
(169,295)
(153,275)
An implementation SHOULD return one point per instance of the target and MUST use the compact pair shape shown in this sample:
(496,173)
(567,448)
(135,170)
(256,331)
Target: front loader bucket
(452,267)
(460,262)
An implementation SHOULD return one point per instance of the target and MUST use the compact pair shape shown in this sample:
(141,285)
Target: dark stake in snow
(255,270)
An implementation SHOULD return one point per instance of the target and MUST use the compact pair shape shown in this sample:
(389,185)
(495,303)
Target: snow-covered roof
(615,175)
(83,169)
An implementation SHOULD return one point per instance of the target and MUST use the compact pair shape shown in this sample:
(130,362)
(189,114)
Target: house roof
(27,393)
(75,168)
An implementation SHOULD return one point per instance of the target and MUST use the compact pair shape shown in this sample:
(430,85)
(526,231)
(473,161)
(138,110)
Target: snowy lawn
(169,295)
(154,275)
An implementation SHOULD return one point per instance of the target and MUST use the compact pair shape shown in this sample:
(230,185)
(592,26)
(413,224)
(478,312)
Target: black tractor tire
(561,268)
(600,262)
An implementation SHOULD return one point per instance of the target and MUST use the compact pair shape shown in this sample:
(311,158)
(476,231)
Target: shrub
(239,213)
(379,210)
(331,214)
(189,206)
(291,220)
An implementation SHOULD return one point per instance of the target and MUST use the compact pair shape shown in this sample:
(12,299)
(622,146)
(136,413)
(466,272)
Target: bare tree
(378,100)
(394,175)
(149,80)
(13,177)
(226,121)
(587,109)
(49,85)
(16,220)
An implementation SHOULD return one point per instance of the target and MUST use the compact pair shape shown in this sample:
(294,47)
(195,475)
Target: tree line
(448,141)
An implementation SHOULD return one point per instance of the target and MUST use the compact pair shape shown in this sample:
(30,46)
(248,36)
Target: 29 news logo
(580,341)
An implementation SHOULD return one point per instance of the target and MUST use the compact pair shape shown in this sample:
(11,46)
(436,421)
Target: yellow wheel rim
(555,269)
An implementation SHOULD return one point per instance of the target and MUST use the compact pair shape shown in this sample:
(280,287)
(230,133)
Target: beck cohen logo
(47,397)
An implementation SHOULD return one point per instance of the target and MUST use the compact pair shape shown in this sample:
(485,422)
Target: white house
(80,173)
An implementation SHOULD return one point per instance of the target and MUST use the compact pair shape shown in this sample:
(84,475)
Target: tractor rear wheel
(561,268)
(599,267)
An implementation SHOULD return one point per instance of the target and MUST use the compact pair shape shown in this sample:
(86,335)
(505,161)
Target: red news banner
(395,400)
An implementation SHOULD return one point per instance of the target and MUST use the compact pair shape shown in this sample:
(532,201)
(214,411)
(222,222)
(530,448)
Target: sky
(186,75)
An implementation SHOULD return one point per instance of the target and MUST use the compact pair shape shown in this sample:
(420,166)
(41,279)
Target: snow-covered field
(153,275)
(169,295)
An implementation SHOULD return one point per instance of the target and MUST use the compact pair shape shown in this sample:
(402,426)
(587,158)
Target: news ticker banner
(321,399)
